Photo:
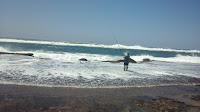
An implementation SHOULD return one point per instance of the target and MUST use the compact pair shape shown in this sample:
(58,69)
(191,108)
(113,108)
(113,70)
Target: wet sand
(65,99)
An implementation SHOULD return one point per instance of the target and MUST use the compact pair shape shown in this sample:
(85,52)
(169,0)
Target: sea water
(57,64)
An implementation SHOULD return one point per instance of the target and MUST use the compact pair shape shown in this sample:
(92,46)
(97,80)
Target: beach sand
(21,98)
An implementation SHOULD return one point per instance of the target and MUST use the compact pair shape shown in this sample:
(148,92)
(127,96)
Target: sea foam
(35,71)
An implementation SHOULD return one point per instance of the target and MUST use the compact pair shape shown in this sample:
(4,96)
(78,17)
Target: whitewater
(57,64)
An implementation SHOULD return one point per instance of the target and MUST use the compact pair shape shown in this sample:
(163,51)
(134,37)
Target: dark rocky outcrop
(118,61)
(25,54)
(21,98)
(131,61)
(146,60)
(83,59)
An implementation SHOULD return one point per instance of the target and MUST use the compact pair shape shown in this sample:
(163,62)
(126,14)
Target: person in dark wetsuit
(126,61)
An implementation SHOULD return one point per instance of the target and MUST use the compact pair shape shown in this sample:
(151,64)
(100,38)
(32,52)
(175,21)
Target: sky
(149,23)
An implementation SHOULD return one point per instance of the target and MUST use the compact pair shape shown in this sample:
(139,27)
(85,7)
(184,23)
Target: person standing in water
(126,61)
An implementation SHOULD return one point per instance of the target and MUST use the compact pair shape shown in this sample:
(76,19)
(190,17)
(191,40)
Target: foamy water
(33,71)
(57,64)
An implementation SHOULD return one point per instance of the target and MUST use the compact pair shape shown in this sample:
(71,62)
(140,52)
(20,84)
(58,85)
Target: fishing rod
(117,42)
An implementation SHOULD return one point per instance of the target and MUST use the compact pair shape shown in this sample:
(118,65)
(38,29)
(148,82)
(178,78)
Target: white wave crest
(97,57)
(178,58)
(73,57)
(115,46)
(2,49)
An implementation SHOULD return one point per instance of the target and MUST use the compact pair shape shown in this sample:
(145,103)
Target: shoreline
(95,87)
(159,98)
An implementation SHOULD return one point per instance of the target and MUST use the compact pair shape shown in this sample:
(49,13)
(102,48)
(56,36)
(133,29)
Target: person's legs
(125,66)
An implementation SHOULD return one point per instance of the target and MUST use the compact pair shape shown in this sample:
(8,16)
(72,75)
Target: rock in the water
(118,61)
(25,54)
(132,61)
(82,59)
(146,60)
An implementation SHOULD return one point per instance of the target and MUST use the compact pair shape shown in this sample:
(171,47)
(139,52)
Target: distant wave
(97,57)
(115,46)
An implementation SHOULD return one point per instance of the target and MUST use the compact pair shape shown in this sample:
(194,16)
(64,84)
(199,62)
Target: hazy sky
(149,23)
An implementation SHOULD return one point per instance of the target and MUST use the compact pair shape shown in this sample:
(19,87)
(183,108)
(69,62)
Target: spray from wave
(115,46)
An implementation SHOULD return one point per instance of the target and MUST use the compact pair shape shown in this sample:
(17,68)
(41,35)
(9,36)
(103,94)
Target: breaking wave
(115,46)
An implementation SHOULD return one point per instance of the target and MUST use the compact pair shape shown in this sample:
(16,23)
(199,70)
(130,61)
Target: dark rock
(162,104)
(25,54)
(118,61)
(196,98)
(146,60)
(132,61)
(112,61)
(82,59)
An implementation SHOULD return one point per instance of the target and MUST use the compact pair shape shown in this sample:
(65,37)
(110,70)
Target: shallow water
(57,64)
(25,70)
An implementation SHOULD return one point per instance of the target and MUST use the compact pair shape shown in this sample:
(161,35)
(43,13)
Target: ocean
(56,64)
